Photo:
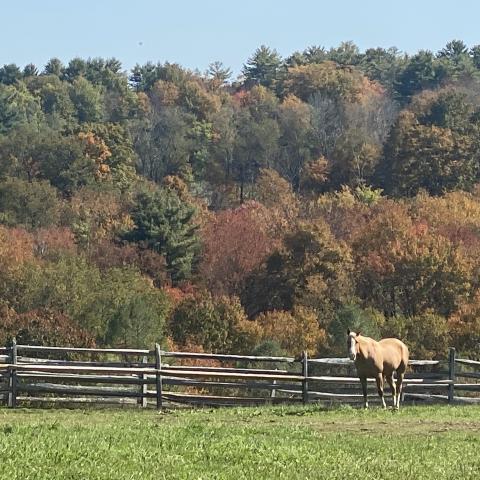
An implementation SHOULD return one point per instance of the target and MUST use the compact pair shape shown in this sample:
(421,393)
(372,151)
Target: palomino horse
(379,360)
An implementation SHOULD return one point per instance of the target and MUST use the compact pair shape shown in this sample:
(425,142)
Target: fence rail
(142,377)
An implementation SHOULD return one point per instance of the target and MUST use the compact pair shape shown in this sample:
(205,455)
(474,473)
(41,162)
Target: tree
(96,214)
(28,204)
(87,100)
(432,146)
(311,269)
(347,53)
(475,55)
(383,66)
(217,324)
(218,74)
(464,326)
(135,311)
(121,157)
(263,67)
(295,139)
(53,95)
(32,152)
(294,331)
(77,67)
(419,73)
(255,146)
(30,70)
(454,50)
(165,224)
(54,67)
(328,78)
(162,143)
(10,74)
(235,242)
(283,205)
(42,327)
(17,106)
(404,269)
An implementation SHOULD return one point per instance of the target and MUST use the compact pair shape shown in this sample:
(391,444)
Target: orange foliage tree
(405,269)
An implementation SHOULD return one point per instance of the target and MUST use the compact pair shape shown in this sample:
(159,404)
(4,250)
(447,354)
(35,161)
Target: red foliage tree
(235,243)
(42,327)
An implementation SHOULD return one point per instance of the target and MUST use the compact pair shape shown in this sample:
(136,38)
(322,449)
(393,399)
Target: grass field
(250,443)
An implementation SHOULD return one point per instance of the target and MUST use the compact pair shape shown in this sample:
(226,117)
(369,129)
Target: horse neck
(363,344)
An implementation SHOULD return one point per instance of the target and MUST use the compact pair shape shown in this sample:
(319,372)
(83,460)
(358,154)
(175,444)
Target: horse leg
(363,381)
(379,379)
(399,387)
(392,386)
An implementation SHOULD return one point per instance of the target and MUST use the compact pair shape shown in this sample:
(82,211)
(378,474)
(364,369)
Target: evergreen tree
(165,224)
(263,67)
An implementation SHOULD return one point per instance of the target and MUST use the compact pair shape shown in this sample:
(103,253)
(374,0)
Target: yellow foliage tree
(294,331)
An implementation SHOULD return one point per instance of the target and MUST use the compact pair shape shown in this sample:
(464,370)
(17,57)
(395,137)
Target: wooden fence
(31,374)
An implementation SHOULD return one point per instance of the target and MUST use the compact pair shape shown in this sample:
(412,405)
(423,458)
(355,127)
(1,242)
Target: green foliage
(54,96)
(214,323)
(122,159)
(10,74)
(117,306)
(17,107)
(134,311)
(32,152)
(163,143)
(29,204)
(166,225)
(87,100)
(54,67)
(263,67)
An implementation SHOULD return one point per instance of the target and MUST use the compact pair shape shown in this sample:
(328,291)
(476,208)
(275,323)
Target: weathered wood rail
(31,374)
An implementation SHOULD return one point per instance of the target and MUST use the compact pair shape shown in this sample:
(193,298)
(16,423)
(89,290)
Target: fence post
(12,380)
(143,387)
(305,376)
(158,366)
(451,374)
(273,392)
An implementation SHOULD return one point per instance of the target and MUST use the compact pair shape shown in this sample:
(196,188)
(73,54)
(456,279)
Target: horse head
(352,341)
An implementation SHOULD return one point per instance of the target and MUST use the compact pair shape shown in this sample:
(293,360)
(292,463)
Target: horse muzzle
(352,356)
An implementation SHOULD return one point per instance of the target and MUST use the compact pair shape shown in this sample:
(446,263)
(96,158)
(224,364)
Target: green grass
(250,443)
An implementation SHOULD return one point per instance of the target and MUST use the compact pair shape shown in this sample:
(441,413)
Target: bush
(42,327)
(217,324)
(294,331)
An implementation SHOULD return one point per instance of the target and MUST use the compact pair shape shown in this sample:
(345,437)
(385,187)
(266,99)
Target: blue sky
(195,33)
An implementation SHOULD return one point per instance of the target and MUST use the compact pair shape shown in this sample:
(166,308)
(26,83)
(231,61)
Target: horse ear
(348,331)
(359,333)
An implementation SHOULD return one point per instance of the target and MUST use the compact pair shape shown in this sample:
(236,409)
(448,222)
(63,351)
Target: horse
(379,360)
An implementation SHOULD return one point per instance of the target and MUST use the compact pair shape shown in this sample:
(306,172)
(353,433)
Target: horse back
(395,354)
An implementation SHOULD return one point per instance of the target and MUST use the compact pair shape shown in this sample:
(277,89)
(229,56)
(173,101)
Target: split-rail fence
(31,374)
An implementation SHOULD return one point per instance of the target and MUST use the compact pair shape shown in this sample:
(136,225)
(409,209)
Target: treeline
(330,189)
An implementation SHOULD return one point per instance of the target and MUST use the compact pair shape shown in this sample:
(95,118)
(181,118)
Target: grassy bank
(263,443)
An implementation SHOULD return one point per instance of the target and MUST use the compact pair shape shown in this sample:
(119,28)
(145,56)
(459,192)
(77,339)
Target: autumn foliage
(267,213)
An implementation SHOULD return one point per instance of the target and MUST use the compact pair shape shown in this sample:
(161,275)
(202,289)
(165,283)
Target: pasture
(284,442)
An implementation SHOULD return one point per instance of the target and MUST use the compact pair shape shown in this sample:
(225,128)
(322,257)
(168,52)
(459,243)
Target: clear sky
(195,33)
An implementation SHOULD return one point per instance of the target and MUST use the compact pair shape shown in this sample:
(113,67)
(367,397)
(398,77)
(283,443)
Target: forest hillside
(329,189)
